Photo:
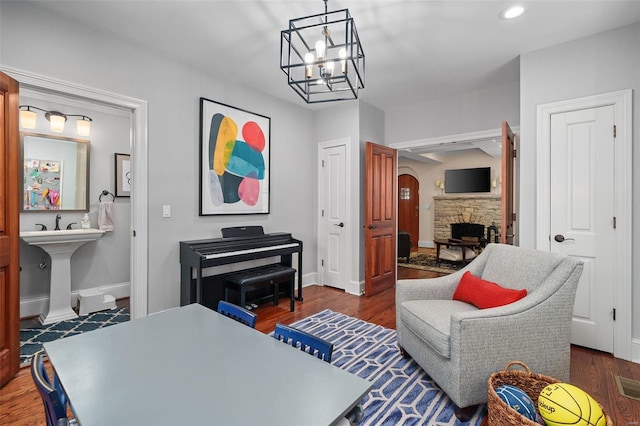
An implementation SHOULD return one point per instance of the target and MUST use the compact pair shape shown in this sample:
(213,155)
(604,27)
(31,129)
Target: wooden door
(9,230)
(582,215)
(380,218)
(508,159)
(409,207)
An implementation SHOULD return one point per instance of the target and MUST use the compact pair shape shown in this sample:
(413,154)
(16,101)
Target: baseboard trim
(34,306)
(635,350)
(426,244)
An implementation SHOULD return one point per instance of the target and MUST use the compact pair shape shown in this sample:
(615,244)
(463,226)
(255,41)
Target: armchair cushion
(431,319)
(485,294)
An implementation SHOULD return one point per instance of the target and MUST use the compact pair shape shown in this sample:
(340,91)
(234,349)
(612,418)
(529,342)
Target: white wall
(427,174)
(465,113)
(172,89)
(602,63)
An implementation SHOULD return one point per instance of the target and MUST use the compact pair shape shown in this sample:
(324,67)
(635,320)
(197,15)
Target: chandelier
(322,57)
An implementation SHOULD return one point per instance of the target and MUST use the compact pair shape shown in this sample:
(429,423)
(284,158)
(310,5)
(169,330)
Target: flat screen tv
(467,180)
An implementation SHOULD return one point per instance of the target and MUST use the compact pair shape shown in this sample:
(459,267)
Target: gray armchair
(460,346)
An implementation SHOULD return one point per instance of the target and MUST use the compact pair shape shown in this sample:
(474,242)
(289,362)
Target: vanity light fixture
(322,56)
(56,119)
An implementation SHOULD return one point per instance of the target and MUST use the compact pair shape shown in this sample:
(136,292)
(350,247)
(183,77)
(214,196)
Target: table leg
(437,254)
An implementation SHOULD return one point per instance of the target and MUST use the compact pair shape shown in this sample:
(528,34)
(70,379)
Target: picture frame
(235,150)
(123,175)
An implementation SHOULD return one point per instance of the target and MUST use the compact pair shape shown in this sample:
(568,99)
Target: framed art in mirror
(123,175)
(55,173)
(234,160)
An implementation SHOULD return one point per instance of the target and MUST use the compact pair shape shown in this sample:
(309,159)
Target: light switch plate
(166,210)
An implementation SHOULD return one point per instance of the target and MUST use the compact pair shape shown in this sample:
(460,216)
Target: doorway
(584,210)
(139,156)
(409,207)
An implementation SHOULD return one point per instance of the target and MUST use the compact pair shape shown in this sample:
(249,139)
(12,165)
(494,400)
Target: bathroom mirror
(55,173)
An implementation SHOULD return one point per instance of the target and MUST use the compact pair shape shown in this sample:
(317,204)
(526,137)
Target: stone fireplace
(465,209)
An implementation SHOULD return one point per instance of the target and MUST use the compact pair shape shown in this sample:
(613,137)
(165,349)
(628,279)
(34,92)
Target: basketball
(562,404)
(518,400)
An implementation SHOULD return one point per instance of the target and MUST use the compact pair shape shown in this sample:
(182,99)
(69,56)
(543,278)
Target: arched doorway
(409,207)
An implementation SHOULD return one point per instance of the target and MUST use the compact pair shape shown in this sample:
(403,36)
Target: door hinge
(614,130)
(615,222)
(515,153)
(134,232)
(513,217)
(614,314)
(322,163)
(322,262)
(322,212)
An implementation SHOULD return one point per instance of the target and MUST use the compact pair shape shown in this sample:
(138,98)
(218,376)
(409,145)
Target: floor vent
(629,388)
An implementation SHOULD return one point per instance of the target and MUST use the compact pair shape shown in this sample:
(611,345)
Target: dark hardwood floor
(591,370)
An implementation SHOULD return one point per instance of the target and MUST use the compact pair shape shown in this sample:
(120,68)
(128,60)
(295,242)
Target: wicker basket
(499,413)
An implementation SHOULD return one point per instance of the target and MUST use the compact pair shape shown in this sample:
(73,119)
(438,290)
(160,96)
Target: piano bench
(261,276)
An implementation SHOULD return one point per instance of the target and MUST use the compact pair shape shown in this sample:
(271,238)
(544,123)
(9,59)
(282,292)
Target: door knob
(341,224)
(371,226)
(560,238)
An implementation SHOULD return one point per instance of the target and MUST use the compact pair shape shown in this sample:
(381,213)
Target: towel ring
(105,192)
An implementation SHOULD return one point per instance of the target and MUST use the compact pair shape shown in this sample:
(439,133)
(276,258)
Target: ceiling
(416,50)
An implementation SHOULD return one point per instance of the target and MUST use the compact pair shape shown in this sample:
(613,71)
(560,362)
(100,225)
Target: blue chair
(317,347)
(237,313)
(308,343)
(53,397)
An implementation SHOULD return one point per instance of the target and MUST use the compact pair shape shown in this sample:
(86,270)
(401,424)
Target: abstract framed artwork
(123,175)
(234,160)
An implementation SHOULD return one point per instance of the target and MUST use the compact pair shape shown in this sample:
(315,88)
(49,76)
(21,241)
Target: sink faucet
(58,217)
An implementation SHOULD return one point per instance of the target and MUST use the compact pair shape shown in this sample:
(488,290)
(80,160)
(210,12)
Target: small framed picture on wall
(123,175)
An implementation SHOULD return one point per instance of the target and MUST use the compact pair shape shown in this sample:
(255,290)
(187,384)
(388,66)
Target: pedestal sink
(60,245)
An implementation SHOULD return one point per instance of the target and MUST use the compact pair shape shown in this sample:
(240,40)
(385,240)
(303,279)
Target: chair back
(309,343)
(237,313)
(52,398)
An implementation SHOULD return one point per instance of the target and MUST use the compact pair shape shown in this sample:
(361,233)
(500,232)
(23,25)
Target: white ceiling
(415,50)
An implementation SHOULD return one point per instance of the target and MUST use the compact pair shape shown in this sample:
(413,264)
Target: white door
(582,216)
(333,226)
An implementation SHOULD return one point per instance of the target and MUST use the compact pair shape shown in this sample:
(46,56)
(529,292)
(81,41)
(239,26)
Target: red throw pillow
(485,294)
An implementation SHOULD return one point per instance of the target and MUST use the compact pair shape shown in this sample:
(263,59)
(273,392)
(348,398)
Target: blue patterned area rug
(402,394)
(32,338)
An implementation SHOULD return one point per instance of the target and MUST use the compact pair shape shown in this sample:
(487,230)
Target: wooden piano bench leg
(276,291)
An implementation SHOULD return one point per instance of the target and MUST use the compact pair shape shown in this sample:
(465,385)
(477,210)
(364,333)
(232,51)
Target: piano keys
(238,244)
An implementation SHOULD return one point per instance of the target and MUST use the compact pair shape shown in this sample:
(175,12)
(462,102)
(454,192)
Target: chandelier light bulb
(320,48)
(308,59)
(330,66)
(342,53)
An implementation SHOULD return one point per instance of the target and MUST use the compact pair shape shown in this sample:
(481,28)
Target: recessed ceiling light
(512,12)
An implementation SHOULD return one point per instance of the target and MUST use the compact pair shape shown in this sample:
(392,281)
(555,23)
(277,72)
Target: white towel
(106,213)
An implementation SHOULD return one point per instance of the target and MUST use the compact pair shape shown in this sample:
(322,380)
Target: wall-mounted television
(467,180)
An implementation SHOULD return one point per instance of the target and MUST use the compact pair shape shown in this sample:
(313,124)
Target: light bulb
(57,122)
(320,47)
(28,119)
(308,59)
(84,126)
(342,53)
(330,65)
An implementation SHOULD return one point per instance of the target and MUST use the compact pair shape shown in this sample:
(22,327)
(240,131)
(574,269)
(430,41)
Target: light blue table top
(192,366)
